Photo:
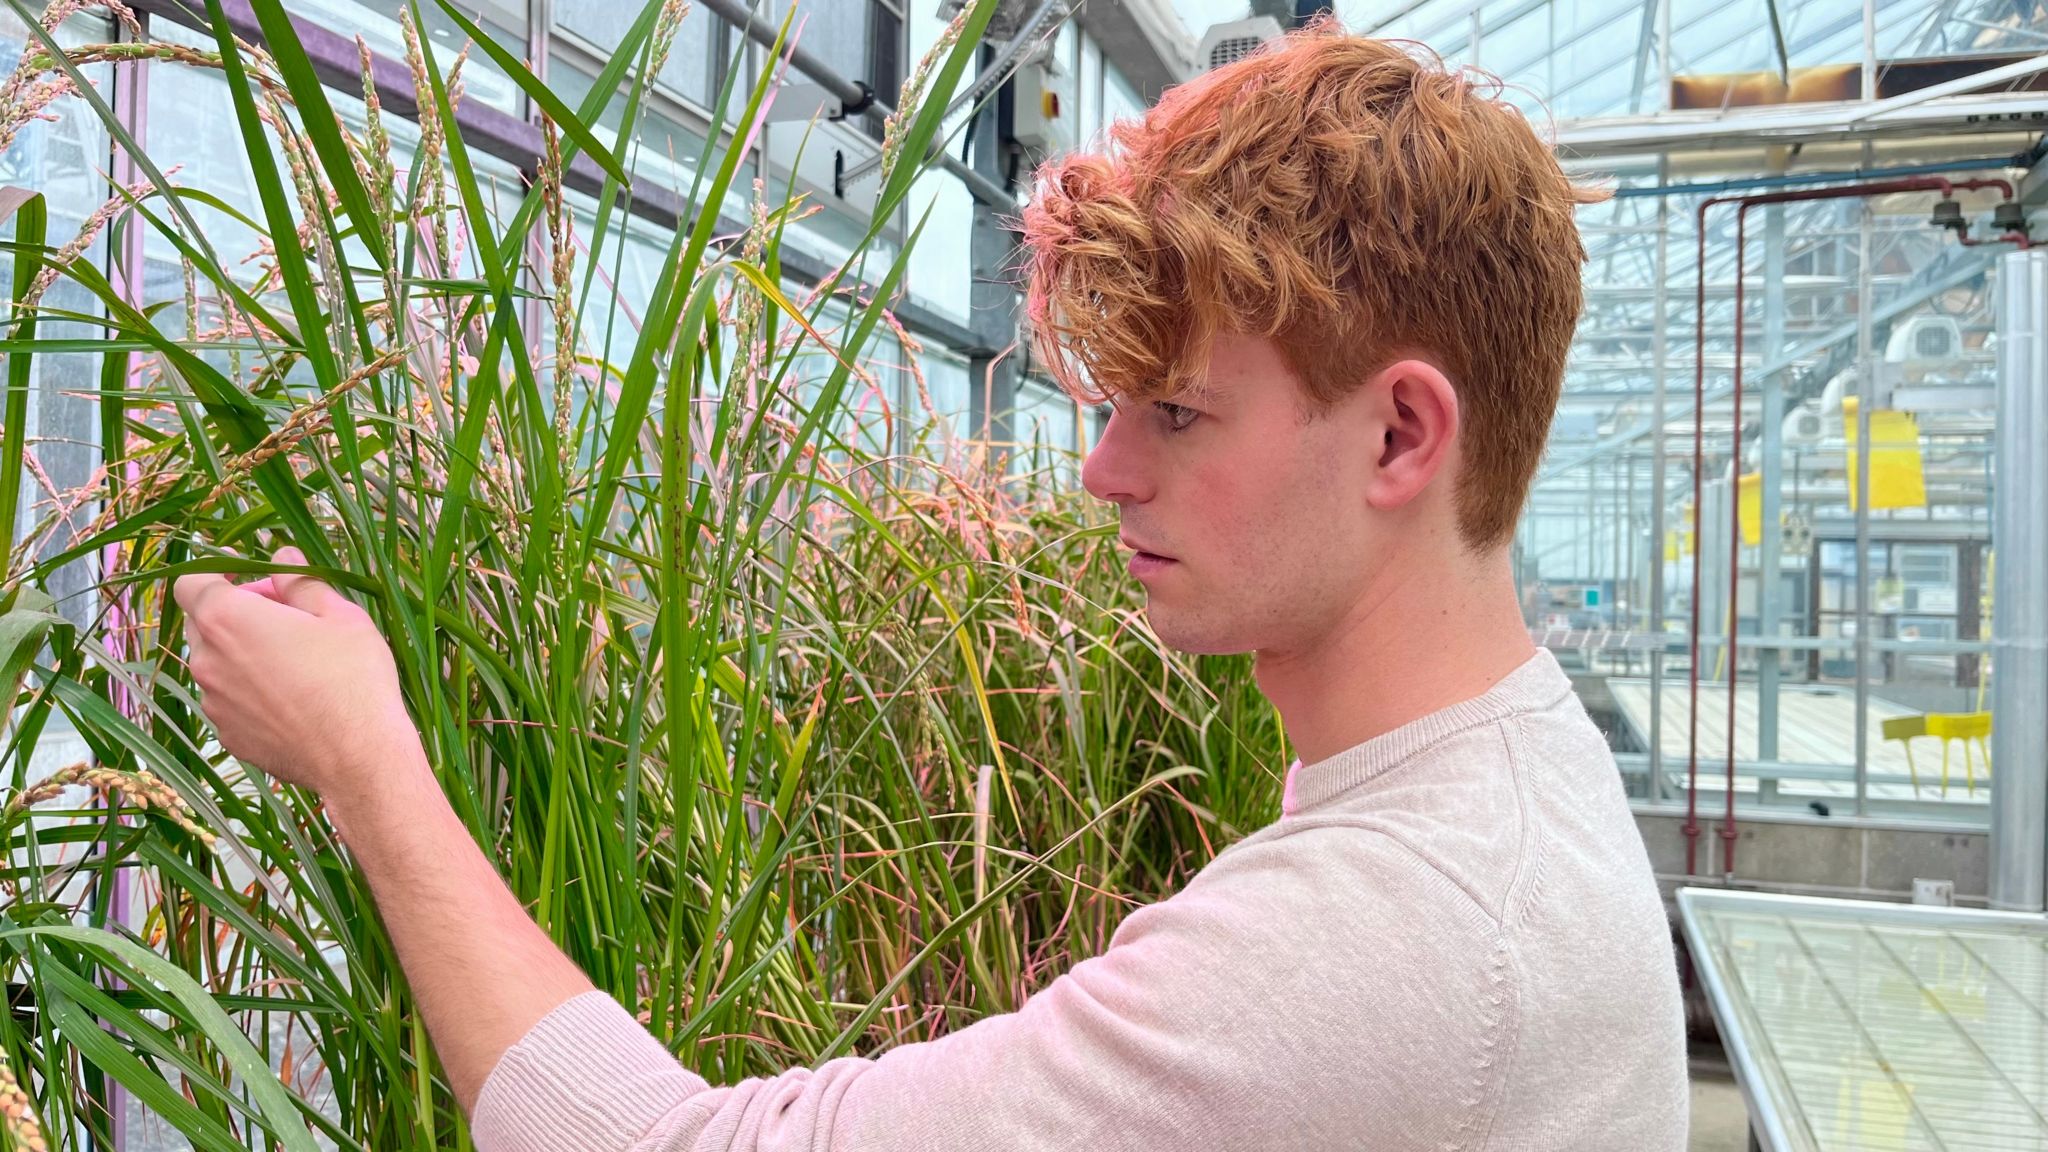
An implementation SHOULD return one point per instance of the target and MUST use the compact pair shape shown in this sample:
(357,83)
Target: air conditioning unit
(1234,40)
(1923,339)
(1804,426)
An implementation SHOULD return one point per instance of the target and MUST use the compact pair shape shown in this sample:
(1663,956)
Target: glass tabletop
(1860,1025)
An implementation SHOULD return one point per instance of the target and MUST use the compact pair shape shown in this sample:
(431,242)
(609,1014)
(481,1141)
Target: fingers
(306,593)
(266,588)
(193,590)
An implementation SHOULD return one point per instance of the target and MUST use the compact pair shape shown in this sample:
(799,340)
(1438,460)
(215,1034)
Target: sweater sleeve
(1286,998)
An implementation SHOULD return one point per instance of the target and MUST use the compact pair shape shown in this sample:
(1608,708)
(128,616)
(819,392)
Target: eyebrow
(1207,395)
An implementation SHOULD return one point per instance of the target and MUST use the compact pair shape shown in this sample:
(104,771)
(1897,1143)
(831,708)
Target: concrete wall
(1866,861)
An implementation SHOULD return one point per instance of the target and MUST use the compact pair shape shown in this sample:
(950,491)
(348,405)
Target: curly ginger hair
(1355,201)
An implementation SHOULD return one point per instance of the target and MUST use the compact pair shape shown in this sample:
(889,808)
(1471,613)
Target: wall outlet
(1938,892)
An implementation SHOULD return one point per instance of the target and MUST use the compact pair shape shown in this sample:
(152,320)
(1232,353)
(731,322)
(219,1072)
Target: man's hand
(295,678)
(298,682)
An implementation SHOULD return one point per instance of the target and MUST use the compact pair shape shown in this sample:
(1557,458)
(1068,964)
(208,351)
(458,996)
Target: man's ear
(1415,414)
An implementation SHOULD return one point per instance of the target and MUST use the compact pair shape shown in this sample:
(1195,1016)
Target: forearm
(482,971)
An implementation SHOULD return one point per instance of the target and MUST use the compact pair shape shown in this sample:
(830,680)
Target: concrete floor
(1720,1120)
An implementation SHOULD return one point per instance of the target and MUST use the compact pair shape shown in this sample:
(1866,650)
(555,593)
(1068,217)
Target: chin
(1189,633)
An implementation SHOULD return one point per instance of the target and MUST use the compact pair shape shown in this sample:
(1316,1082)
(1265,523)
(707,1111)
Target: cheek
(1303,524)
(1263,513)
(1229,515)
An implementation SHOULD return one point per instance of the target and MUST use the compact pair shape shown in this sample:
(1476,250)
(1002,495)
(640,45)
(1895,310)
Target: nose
(1118,468)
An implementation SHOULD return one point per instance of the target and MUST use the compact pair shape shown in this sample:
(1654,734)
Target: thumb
(192,589)
(306,593)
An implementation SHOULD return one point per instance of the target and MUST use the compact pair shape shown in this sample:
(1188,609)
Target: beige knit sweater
(1449,940)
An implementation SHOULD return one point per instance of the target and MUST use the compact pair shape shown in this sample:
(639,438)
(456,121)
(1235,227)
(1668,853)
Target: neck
(1421,644)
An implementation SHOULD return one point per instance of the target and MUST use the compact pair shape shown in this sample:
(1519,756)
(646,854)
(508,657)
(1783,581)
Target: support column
(1770,466)
(1591,536)
(992,302)
(1660,352)
(2019,594)
(1617,529)
(1866,397)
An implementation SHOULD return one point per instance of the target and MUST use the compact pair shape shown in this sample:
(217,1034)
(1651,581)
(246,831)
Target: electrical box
(1043,106)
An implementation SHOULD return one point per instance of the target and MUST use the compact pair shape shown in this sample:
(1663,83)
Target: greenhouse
(1039,574)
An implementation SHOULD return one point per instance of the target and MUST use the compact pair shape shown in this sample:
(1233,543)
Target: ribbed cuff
(587,1077)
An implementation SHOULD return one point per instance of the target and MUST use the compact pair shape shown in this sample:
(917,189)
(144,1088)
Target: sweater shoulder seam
(1510,1025)
(1529,858)
(1296,825)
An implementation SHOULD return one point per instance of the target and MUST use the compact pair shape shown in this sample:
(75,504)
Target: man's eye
(1178,416)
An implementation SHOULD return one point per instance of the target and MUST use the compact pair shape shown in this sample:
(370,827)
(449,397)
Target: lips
(1145,562)
(1142,550)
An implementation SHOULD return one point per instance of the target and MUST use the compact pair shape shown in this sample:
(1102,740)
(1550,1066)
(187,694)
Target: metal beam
(1778,42)
(1834,176)
(1646,35)
(1833,123)
(1968,264)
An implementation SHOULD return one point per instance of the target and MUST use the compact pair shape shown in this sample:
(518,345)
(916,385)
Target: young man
(1329,291)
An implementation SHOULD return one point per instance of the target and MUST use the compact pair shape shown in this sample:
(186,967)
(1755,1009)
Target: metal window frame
(517,141)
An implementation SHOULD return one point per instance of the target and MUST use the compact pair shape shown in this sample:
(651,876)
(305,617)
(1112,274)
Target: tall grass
(799,749)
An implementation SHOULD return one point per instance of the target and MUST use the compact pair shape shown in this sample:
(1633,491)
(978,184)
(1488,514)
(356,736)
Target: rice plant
(799,747)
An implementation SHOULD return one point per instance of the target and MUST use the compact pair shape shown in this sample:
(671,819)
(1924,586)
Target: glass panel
(62,157)
(837,33)
(191,116)
(833,236)
(627,268)
(1046,432)
(946,379)
(1571,59)
(377,24)
(1806,712)
(941,274)
(667,153)
(693,59)
(1865,1025)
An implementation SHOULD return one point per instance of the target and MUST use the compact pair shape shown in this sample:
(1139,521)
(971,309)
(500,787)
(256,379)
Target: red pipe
(2019,238)
(1699,456)
(1840,192)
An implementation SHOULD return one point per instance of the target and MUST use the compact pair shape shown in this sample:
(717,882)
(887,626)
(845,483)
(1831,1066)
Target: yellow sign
(1897,479)
(1749,508)
(1678,542)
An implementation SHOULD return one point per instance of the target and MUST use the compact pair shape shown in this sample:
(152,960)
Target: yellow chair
(1963,726)
(1905,729)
